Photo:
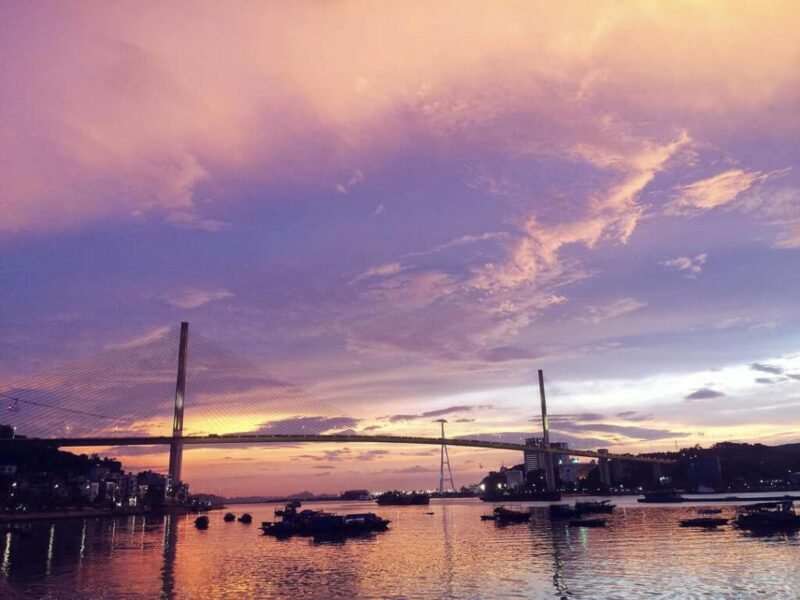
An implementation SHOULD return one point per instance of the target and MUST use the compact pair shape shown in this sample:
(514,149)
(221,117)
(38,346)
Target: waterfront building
(535,459)
(573,470)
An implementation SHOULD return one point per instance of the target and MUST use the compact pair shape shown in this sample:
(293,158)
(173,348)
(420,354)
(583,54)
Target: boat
(662,497)
(279,511)
(17,527)
(320,523)
(703,522)
(246,518)
(519,496)
(768,515)
(201,522)
(506,515)
(229,517)
(562,511)
(709,511)
(396,498)
(593,506)
(587,523)
(488,517)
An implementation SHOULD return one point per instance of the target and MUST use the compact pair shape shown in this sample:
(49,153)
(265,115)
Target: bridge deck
(335,438)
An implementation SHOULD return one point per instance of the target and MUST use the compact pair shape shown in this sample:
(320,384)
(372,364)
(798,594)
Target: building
(514,478)
(574,470)
(535,460)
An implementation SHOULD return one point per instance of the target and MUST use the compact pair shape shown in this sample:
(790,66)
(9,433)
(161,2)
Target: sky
(409,208)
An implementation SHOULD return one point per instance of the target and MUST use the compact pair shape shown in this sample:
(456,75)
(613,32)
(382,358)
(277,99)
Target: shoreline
(88,513)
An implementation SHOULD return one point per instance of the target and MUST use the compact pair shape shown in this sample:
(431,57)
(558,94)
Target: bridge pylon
(176,447)
(549,473)
(445,461)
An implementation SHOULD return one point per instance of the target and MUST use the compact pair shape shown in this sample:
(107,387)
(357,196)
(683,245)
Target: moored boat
(587,523)
(396,498)
(229,517)
(662,496)
(768,516)
(593,506)
(321,523)
(506,515)
(246,518)
(201,522)
(562,511)
(703,522)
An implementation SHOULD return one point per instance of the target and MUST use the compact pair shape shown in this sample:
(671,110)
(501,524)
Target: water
(642,553)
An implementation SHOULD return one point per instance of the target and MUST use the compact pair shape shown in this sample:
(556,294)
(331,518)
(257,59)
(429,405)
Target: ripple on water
(642,553)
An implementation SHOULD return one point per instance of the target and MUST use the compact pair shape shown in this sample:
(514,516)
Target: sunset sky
(408,208)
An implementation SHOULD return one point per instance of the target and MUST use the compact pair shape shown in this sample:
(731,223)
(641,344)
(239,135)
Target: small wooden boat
(506,515)
(703,522)
(562,511)
(246,518)
(229,517)
(591,506)
(587,523)
(201,522)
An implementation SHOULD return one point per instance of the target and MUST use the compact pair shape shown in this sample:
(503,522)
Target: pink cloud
(108,116)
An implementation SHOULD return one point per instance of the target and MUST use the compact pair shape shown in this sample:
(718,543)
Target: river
(642,553)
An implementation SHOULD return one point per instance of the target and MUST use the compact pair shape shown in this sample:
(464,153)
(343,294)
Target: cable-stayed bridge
(130,396)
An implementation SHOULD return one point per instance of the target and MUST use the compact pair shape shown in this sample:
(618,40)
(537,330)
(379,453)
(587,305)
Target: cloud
(356,178)
(343,454)
(189,299)
(126,123)
(306,425)
(508,353)
(719,190)
(156,334)
(691,266)
(630,432)
(615,309)
(632,415)
(765,368)
(704,394)
(436,413)
(768,380)
(380,271)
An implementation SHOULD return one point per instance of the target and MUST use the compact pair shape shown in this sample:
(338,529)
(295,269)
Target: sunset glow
(405,210)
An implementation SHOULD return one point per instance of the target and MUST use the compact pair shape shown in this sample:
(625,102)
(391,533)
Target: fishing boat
(201,522)
(562,511)
(246,518)
(587,523)
(703,522)
(506,515)
(321,523)
(662,496)
(768,515)
(593,506)
(396,498)
(229,517)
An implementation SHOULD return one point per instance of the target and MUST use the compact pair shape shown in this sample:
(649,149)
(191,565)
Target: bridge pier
(604,467)
(176,447)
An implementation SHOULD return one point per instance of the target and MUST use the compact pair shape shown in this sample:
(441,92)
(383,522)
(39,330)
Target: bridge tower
(445,461)
(176,447)
(549,474)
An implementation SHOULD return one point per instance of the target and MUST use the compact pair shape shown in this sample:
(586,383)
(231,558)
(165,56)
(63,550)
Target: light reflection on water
(450,554)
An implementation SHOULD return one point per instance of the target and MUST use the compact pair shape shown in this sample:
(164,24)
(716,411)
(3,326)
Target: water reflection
(451,554)
(170,550)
